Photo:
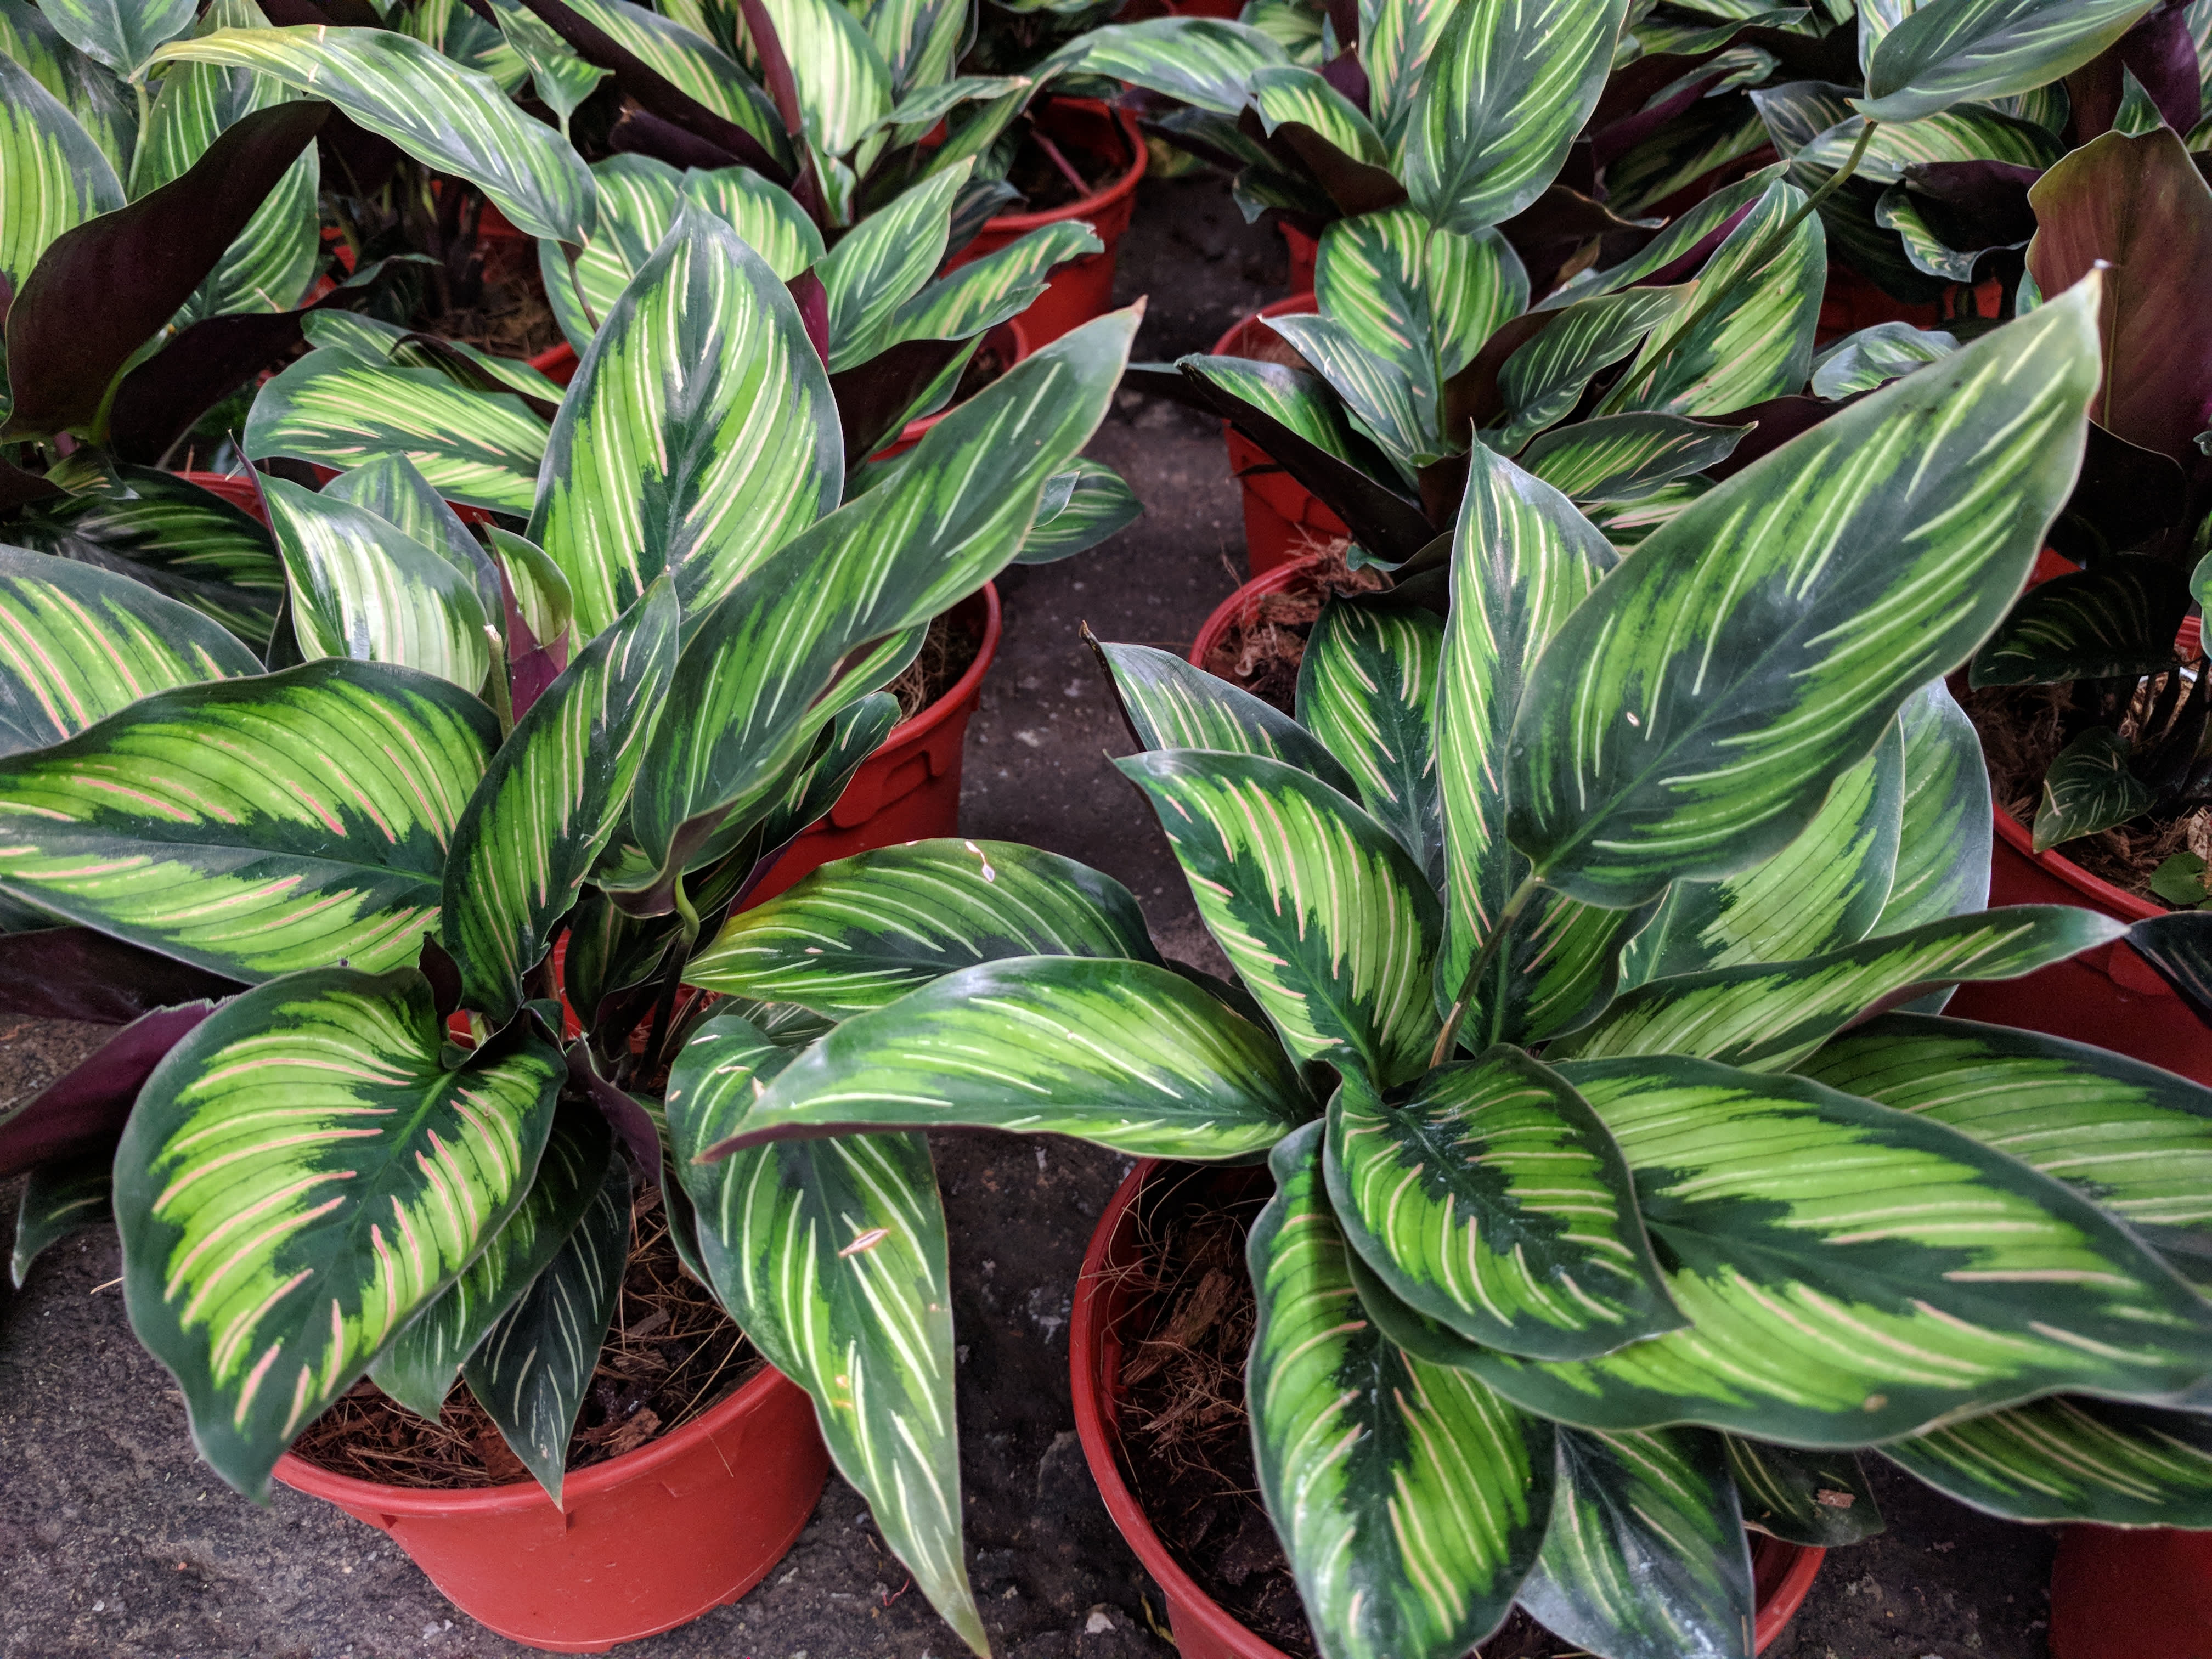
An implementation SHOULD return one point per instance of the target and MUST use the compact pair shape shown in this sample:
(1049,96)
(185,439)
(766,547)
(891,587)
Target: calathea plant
(1609,1210)
(314,1180)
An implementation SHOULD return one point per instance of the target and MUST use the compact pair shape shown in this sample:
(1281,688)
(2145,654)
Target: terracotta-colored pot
(1082,289)
(1306,257)
(1783,1573)
(641,1544)
(1283,519)
(2132,1593)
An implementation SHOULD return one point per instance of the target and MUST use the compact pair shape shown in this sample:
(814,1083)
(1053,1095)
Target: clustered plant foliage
(1592,913)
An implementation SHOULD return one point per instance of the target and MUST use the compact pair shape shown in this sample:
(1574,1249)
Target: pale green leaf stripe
(549,803)
(985,292)
(2072,1458)
(391,488)
(1171,705)
(692,64)
(1125,1054)
(844,86)
(1682,235)
(1968,132)
(120,33)
(1875,356)
(698,434)
(2136,1139)
(831,1253)
(864,931)
(1907,1275)
(1299,94)
(78,643)
(1543,380)
(102,106)
(918,39)
(1624,458)
(882,263)
(1769,1016)
(253,826)
(1941,54)
(1201,61)
(1396,40)
(450,119)
(52,176)
(478,448)
(300,1177)
(1411,1498)
(1367,688)
(1330,922)
(1423,298)
(1299,400)
(1401,412)
(1079,509)
(1494,1201)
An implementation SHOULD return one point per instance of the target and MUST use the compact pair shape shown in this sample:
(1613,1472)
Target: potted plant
(480,791)
(1562,921)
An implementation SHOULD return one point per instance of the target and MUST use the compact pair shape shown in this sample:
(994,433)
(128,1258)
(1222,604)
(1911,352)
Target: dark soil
(1266,641)
(510,317)
(947,654)
(1055,172)
(992,359)
(671,1354)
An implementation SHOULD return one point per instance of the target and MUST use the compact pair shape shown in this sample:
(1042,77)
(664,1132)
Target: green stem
(576,286)
(1506,918)
(502,695)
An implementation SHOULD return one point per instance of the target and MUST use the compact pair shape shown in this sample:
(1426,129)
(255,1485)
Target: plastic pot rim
(1014,224)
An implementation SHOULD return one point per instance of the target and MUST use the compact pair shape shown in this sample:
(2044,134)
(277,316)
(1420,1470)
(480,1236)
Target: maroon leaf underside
(85,1109)
(75,973)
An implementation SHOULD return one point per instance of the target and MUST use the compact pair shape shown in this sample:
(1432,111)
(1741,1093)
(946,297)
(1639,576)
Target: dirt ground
(115,1541)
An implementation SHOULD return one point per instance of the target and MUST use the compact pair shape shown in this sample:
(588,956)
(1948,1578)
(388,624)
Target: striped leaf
(1300,96)
(1722,132)
(877,568)
(1329,921)
(2089,787)
(375,341)
(120,33)
(844,85)
(2116,620)
(1822,892)
(78,643)
(1826,583)
(52,176)
(883,262)
(1853,1273)
(1646,1556)
(831,1255)
(1627,524)
(1899,210)
(58,1199)
(1968,132)
(985,292)
(362,588)
(452,119)
(1875,356)
(253,826)
(1680,238)
(1492,1201)
(917,40)
(558,74)
(419,1368)
(1625,458)
(1367,688)
(478,448)
(82,86)
(1769,1016)
(689,61)
(1943,848)
(2136,1140)
(1508,85)
(549,803)
(1758,344)
(697,436)
(533,1367)
(300,1177)
(1542,382)
(1423,299)
(2072,1458)
(864,931)
(767,219)
(1948,50)
(1293,398)
(542,599)
(1404,418)
(1125,1055)
(1522,559)
(395,492)
(1819,1500)
(1171,705)
(1410,1498)
(1396,40)
(1204,62)
(1088,504)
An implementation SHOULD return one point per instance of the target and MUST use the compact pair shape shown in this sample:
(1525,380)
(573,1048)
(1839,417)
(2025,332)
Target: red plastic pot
(2129,1593)
(1082,289)
(1783,1573)
(1240,607)
(240,490)
(1306,257)
(641,1544)
(1283,519)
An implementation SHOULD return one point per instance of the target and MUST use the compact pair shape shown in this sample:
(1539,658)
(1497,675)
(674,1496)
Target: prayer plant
(1612,1208)
(492,778)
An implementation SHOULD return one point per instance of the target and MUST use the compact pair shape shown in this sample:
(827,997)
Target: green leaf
(1646,1558)
(1509,84)
(82,87)
(1899,210)
(1080,508)
(120,33)
(362,588)
(253,826)
(1769,1015)
(56,1200)
(1399,411)
(1543,380)
(1875,356)
(1625,458)
(1680,237)
(419,1368)
(844,85)
(1410,1498)
(831,1255)
(1368,687)
(391,488)
(862,931)
(549,801)
(541,592)
(2072,1458)
(697,436)
(532,1369)
(1330,922)
(882,263)
(1423,299)
(451,119)
(2116,620)
(2136,1140)
(691,63)
(479,448)
(1944,846)
(1906,1274)
(1171,705)
(1970,133)
(1826,583)
(1819,1499)
(1493,1200)
(1397,37)
(985,292)
(918,39)
(301,1176)
(1125,1055)
(78,643)
(1718,132)
(558,74)
(1301,96)
(1948,50)
(52,176)
(1205,63)
(2089,787)
(1300,401)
